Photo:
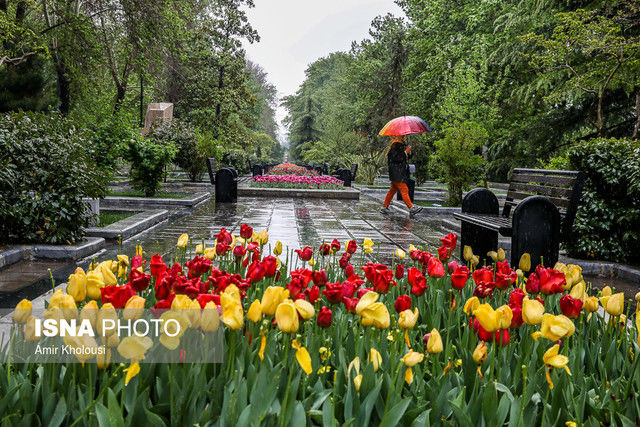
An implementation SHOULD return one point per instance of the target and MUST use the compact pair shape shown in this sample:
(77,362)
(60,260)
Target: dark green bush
(237,159)
(607,225)
(190,157)
(45,171)
(149,157)
(110,140)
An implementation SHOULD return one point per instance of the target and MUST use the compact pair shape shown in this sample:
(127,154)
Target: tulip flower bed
(325,336)
(295,181)
(291,169)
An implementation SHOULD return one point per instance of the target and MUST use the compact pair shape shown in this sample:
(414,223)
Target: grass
(109,217)
(158,195)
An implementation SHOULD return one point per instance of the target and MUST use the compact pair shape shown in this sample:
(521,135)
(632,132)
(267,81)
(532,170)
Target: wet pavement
(296,222)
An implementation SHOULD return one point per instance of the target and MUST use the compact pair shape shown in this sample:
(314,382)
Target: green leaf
(393,416)
(59,414)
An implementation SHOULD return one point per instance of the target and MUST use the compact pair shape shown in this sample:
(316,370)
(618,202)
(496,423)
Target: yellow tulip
(376,358)
(277,249)
(377,315)
(287,317)
(77,285)
(113,340)
(311,262)
(133,308)
(407,318)
(193,314)
(412,248)
(108,277)
(183,240)
(501,255)
(95,282)
(606,291)
(90,312)
(366,300)
(174,326)
(134,347)
(54,301)
(471,305)
(271,298)
(103,359)
(354,364)
(532,311)
(504,315)
(181,302)
(480,352)
(475,260)
(467,253)
(232,314)
(255,311)
(556,327)
(591,304)
(412,358)
(555,360)
(263,237)
(132,371)
(23,311)
(357,382)
(210,318)
(434,343)
(303,357)
(367,245)
(84,346)
(210,253)
(305,309)
(200,249)
(123,263)
(30,330)
(325,353)
(573,275)
(525,262)
(493,255)
(578,291)
(487,317)
(615,304)
(400,253)
(107,312)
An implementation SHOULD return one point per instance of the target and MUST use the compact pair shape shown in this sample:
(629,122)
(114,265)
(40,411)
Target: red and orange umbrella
(405,125)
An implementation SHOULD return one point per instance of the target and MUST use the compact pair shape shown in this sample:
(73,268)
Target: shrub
(45,171)
(454,161)
(237,159)
(607,224)
(148,158)
(189,155)
(110,140)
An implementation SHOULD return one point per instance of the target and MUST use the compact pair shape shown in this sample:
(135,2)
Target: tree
(596,55)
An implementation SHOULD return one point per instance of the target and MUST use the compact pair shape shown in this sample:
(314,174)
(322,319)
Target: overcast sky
(294,33)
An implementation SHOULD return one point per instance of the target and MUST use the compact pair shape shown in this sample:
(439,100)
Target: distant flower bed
(296,181)
(291,169)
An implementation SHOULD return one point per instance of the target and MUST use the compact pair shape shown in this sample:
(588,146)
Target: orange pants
(404,191)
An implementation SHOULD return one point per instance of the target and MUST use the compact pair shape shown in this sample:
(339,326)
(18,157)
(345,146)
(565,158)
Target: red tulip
(399,271)
(403,302)
(116,295)
(335,245)
(502,336)
(333,292)
(484,274)
(319,277)
(435,268)
(224,236)
(349,270)
(570,306)
(203,299)
(246,231)
(239,251)
(138,280)
(270,266)
(417,281)
(305,253)
(344,260)
(324,317)
(444,253)
(533,284)
(516,297)
(516,320)
(459,277)
(157,266)
(450,241)
(352,246)
(551,281)
(312,294)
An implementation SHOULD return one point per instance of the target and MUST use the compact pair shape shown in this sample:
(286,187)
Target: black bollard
(226,185)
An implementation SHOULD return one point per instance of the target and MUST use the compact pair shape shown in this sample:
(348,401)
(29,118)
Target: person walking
(397,159)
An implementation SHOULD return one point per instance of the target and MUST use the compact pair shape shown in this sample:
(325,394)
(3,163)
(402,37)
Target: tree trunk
(637,125)
(21,10)
(121,92)
(63,86)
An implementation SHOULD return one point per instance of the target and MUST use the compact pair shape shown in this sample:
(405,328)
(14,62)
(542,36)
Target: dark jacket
(397,162)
